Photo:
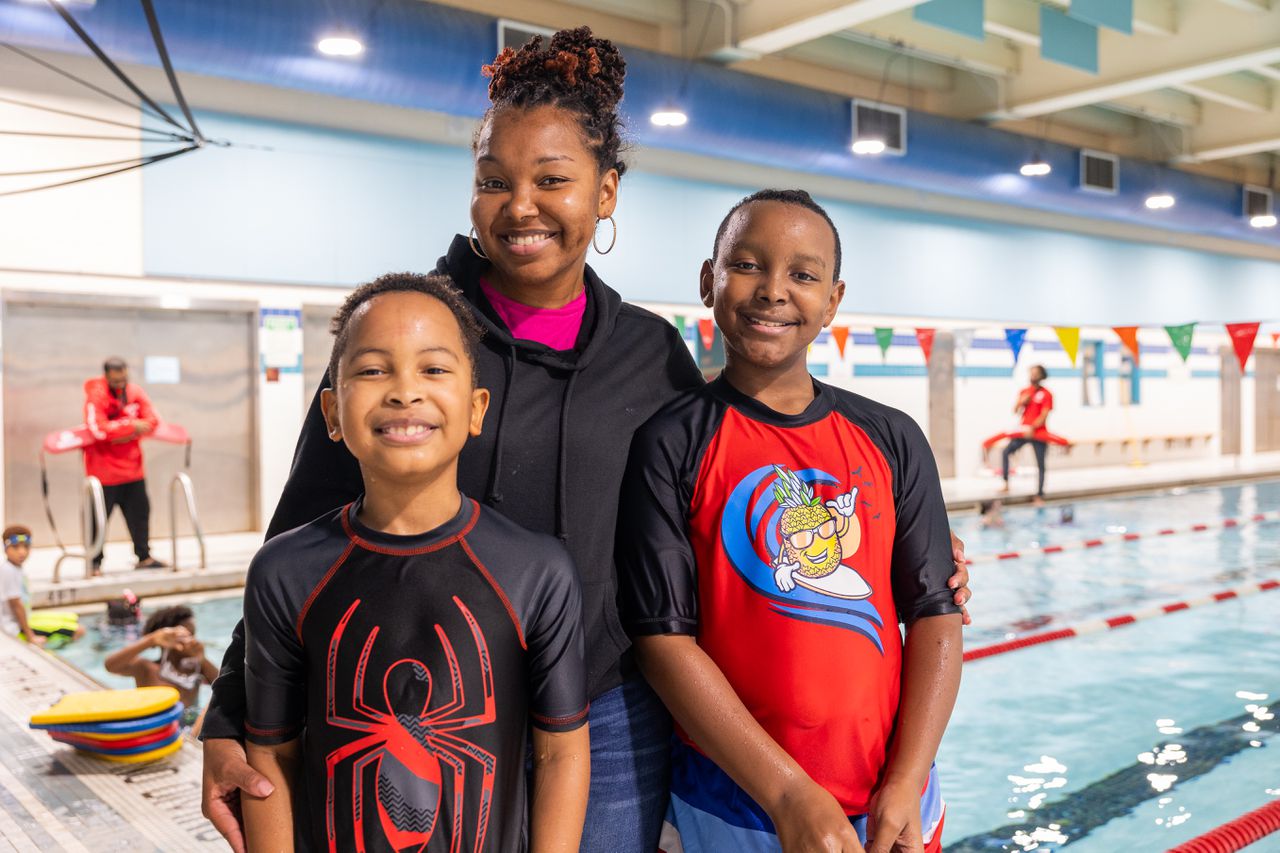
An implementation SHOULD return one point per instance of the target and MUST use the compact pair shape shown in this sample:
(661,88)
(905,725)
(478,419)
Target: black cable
(146,162)
(81,116)
(111,66)
(70,168)
(158,38)
(67,74)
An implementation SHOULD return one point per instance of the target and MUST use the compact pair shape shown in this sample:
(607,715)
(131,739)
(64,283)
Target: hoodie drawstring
(562,462)
(494,497)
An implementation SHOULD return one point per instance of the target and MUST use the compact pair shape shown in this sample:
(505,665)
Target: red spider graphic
(407,744)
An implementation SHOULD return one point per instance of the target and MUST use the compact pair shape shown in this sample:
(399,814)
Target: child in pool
(182,663)
(415,637)
(774,532)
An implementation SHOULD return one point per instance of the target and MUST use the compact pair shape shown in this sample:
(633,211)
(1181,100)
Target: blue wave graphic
(737,530)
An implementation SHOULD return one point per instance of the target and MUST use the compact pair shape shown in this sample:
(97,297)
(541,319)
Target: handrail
(181,481)
(93,527)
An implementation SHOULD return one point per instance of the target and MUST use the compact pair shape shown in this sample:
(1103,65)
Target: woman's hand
(960,580)
(809,820)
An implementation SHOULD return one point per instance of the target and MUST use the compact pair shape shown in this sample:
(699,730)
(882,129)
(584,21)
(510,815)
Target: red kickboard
(77,438)
(156,737)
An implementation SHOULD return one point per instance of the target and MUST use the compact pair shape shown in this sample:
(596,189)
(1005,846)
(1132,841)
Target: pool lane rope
(1237,834)
(1224,524)
(1096,626)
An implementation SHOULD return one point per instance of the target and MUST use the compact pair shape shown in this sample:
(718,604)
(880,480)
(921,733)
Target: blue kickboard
(118,727)
(131,750)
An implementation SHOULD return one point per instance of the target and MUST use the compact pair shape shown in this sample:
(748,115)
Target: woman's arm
(930,680)
(701,699)
(561,777)
(126,661)
(268,821)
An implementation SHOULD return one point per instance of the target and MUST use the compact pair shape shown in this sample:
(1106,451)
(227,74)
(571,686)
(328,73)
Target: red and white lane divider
(1096,626)
(1238,834)
(1224,524)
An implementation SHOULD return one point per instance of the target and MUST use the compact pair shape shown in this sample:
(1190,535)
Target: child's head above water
(403,369)
(773,280)
(17,543)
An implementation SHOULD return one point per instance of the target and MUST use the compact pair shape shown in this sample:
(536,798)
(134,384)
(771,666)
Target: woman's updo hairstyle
(575,72)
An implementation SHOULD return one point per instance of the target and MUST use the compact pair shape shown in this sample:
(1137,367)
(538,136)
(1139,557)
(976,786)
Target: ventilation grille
(1099,173)
(881,121)
(514,34)
(1257,202)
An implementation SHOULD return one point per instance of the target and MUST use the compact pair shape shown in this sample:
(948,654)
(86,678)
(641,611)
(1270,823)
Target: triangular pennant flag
(1129,337)
(1180,336)
(1069,337)
(841,334)
(1015,337)
(963,342)
(707,331)
(1275,339)
(884,337)
(1242,337)
(925,337)
(679,321)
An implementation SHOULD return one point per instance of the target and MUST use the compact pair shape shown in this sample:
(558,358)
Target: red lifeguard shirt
(791,546)
(1039,400)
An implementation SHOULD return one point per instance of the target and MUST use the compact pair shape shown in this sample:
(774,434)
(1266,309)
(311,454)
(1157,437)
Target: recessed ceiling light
(864,147)
(669,117)
(1160,201)
(1263,220)
(340,46)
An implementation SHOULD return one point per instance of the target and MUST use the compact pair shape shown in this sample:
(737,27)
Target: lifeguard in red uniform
(1034,403)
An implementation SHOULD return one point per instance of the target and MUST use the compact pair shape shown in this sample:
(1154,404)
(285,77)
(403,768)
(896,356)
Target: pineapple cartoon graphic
(816,538)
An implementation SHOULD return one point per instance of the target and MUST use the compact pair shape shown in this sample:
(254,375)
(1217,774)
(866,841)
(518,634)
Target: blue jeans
(630,770)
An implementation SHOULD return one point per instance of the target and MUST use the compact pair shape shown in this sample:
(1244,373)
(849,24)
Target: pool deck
(54,799)
(229,554)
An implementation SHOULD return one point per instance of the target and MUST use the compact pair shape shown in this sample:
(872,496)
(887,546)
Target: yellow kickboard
(163,752)
(104,705)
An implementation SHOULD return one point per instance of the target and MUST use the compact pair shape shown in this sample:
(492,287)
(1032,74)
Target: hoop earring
(471,241)
(612,242)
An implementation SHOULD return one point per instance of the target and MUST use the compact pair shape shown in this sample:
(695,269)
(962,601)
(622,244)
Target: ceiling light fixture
(868,146)
(1037,168)
(669,116)
(1263,220)
(1160,201)
(340,46)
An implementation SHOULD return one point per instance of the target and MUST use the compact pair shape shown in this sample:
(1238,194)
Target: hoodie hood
(603,304)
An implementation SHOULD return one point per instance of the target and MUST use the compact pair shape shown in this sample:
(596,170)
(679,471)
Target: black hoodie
(551,456)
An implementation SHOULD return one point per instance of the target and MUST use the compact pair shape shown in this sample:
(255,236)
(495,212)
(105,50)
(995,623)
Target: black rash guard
(413,667)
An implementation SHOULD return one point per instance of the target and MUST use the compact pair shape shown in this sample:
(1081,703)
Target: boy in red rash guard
(1034,403)
(402,651)
(774,532)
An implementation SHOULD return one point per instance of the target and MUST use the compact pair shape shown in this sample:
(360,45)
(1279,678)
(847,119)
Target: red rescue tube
(1238,834)
(1041,434)
(77,438)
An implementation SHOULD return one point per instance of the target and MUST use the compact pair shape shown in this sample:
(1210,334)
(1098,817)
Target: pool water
(1136,739)
(1133,740)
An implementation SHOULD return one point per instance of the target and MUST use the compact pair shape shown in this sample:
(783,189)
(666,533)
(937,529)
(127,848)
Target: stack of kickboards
(127,726)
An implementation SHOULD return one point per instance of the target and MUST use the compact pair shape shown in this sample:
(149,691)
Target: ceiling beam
(1235,90)
(1167,106)
(1229,133)
(1268,71)
(993,56)
(868,60)
(1150,17)
(1213,41)
(1249,5)
(767,27)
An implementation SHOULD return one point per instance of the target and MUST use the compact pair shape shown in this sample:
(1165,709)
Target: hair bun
(574,63)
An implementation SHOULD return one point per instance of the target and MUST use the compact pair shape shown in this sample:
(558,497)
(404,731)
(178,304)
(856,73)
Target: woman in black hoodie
(554,449)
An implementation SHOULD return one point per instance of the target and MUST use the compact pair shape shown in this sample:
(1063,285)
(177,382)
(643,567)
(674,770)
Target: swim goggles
(17,539)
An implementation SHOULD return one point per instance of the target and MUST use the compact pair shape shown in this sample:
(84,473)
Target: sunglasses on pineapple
(804,538)
(17,539)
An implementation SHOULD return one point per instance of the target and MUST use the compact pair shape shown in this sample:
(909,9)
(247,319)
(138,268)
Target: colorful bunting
(679,321)
(841,334)
(884,337)
(1069,337)
(1015,337)
(1275,340)
(1242,337)
(707,331)
(1180,336)
(925,337)
(963,342)
(1129,337)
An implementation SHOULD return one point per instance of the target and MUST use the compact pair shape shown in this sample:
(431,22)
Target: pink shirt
(553,327)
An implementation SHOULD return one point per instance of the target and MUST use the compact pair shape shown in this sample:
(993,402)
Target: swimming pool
(1072,744)
(1135,739)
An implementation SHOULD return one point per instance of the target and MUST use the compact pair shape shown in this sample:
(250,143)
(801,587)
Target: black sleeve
(274,664)
(657,578)
(324,474)
(682,370)
(922,559)
(557,662)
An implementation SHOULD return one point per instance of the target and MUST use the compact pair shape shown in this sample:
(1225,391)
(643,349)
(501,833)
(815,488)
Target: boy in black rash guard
(412,636)
(773,533)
